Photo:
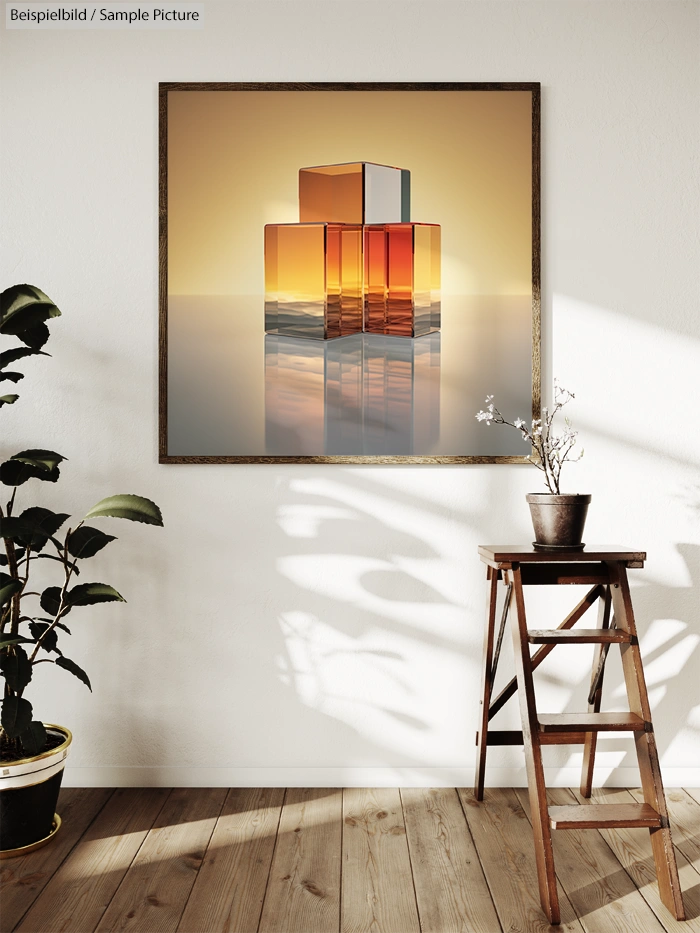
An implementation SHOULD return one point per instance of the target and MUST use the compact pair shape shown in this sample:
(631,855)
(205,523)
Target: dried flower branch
(550,450)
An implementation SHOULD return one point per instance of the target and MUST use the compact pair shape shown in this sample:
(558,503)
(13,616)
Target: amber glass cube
(313,280)
(354,193)
(402,279)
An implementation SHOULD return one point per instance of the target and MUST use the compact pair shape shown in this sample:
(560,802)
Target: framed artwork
(347,270)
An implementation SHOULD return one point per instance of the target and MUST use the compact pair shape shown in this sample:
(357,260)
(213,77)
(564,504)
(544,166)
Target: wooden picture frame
(193,137)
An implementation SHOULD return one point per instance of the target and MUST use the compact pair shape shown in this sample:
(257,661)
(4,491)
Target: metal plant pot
(29,790)
(558,520)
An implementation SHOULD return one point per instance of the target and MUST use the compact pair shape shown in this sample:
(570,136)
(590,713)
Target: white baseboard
(178,776)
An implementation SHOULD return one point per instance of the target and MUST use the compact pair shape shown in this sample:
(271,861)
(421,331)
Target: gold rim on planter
(53,751)
(23,850)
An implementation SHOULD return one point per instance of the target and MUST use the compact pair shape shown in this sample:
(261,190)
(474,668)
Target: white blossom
(550,450)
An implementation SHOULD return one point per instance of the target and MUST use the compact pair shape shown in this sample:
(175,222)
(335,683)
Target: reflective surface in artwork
(233,391)
(362,395)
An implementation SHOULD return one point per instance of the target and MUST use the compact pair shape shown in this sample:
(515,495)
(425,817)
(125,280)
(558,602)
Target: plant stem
(68,569)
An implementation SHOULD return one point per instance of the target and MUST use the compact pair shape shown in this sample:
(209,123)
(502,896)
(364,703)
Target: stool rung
(592,722)
(581,636)
(604,816)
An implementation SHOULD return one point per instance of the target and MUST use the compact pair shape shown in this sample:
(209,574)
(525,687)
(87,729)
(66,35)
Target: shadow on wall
(373,641)
(382,646)
(382,633)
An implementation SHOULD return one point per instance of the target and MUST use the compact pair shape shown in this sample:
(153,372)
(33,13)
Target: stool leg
(486,682)
(544,855)
(595,696)
(645,742)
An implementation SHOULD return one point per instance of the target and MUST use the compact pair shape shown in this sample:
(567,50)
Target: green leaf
(44,619)
(12,377)
(18,353)
(8,399)
(50,643)
(14,472)
(35,337)
(46,460)
(71,666)
(50,599)
(33,738)
(31,464)
(13,527)
(84,594)
(43,522)
(16,715)
(13,640)
(86,541)
(135,508)
(87,594)
(16,668)
(8,588)
(23,307)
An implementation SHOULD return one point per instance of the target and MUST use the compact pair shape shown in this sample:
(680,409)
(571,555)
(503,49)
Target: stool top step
(495,554)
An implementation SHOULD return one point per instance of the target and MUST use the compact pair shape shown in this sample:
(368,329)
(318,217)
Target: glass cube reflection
(354,193)
(402,279)
(313,395)
(313,280)
(374,395)
(401,394)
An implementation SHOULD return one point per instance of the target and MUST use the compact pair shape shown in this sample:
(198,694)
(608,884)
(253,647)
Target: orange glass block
(354,193)
(402,279)
(313,280)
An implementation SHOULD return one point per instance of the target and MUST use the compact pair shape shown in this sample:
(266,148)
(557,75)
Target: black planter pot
(558,520)
(29,791)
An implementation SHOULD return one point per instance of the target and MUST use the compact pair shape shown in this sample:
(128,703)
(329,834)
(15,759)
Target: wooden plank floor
(326,860)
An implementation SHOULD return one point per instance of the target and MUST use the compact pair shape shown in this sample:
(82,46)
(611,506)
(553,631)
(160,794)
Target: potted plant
(32,752)
(558,518)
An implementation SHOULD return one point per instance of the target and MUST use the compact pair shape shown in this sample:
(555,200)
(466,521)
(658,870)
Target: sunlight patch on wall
(303,520)
(605,762)
(341,577)
(671,662)
(666,362)
(366,682)
(443,537)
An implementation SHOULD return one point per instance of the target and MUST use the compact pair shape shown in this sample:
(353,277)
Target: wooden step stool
(605,570)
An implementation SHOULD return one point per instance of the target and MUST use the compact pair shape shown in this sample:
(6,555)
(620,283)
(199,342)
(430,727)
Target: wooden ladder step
(604,816)
(581,636)
(592,722)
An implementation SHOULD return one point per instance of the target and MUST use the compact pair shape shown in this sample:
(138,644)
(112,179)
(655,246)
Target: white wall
(297,624)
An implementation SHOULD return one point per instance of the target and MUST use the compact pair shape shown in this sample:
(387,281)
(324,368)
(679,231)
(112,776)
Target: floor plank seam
(272,858)
(128,867)
(476,849)
(410,862)
(201,862)
(342,842)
